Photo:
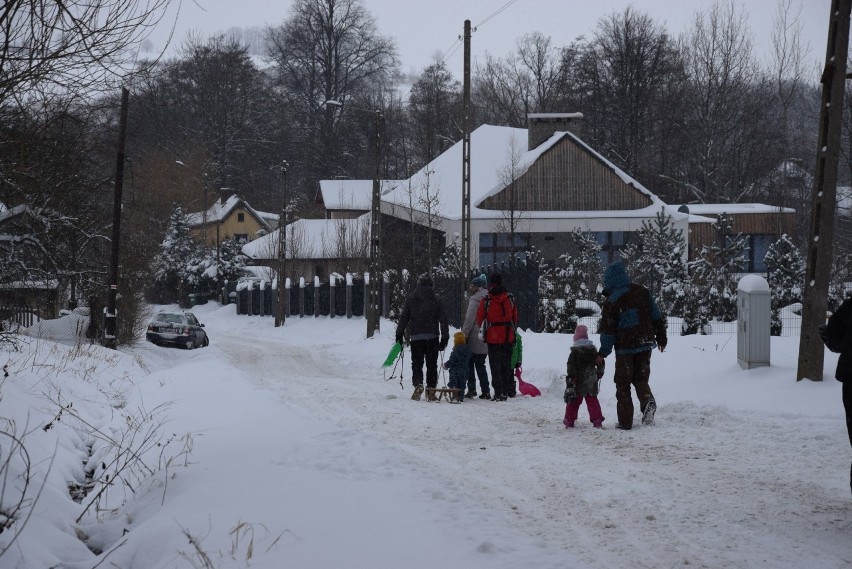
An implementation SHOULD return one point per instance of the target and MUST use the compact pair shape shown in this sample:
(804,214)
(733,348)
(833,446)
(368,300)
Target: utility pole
(375,235)
(824,195)
(280,314)
(110,317)
(465,252)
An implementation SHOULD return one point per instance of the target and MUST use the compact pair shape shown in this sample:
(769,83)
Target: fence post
(349,295)
(332,282)
(385,298)
(301,297)
(316,296)
(250,297)
(261,305)
(287,296)
(366,292)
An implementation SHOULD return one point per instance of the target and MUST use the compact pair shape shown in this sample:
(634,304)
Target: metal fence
(347,299)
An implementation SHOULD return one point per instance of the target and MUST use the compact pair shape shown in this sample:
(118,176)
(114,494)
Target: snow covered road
(724,478)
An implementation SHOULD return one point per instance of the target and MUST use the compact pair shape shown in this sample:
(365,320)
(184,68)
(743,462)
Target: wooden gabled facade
(568,177)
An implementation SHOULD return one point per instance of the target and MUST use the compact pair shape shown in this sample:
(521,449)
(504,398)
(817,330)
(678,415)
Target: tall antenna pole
(824,195)
(465,252)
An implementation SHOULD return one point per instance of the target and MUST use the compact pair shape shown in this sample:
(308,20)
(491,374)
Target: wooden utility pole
(280,313)
(465,252)
(824,195)
(109,339)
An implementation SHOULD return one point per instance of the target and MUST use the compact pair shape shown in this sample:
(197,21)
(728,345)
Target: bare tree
(731,138)
(512,218)
(329,50)
(71,46)
(630,78)
(529,80)
(435,109)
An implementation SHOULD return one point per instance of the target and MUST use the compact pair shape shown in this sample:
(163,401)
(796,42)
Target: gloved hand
(661,344)
(399,340)
(517,365)
(599,360)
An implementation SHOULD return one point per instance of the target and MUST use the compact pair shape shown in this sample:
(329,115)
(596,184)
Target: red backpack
(500,319)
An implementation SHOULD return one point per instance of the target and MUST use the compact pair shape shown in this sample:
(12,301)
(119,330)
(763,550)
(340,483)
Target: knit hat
(479,281)
(581,333)
(458,339)
(496,279)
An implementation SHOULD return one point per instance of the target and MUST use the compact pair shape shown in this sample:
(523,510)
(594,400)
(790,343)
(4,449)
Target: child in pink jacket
(583,379)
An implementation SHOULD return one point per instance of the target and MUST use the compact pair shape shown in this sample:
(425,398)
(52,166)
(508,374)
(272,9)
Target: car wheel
(206,342)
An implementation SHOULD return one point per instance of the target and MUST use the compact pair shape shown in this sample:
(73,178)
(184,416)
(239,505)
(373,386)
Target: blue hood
(615,277)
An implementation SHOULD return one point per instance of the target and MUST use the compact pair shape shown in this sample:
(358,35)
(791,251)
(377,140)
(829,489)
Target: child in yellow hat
(458,364)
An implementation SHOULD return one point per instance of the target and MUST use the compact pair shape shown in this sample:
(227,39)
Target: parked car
(177,328)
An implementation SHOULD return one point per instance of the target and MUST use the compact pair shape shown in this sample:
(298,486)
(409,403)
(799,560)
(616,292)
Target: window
(241,217)
(496,247)
(612,242)
(241,237)
(756,246)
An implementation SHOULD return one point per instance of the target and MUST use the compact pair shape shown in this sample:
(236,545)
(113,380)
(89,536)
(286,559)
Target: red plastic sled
(524,387)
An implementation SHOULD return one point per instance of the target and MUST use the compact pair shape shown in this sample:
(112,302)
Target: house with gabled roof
(534,186)
(231,217)
(28,274)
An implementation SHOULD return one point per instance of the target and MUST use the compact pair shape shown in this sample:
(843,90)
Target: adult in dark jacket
(498,315)
(633,325)
(478,348)
(840,326)
(428,332)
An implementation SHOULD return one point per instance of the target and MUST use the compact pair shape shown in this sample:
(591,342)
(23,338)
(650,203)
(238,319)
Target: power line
(495,13)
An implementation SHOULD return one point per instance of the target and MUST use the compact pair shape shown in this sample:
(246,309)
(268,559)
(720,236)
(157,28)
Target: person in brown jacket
(633,325)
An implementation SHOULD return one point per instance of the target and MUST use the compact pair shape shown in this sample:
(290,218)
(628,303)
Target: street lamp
(373,309)
(280,315)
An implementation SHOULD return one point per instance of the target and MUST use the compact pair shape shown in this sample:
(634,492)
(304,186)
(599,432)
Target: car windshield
(175,318)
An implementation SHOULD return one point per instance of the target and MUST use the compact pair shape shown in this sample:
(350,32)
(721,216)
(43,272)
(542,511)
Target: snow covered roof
(735,208)
(310,238)
(219,211)
(491,148)
(347,194)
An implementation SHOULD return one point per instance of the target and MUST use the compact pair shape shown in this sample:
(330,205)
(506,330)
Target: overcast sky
(423,28)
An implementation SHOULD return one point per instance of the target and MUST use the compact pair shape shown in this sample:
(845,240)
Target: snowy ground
(304,454)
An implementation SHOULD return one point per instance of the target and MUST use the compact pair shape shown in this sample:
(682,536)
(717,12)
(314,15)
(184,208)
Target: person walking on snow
(498,316)
(428,331)
(457,363)
(583,379)
(478,348)
(839,327)
(633,325)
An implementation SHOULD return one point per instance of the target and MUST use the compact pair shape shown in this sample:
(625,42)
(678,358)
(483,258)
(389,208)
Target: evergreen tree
(171,265)
(785,270)
(232,262)
(657,261)
(715,268)
(576,276)
(696,311)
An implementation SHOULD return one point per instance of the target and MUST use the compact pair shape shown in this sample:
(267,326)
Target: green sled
(392,355)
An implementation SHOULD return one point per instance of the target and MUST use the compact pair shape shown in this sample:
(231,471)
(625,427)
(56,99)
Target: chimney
(224,194)
(543,125)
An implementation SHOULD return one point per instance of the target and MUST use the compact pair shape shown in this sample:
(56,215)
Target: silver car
(178,329)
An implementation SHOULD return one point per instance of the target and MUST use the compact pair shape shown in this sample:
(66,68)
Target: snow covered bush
(785,270)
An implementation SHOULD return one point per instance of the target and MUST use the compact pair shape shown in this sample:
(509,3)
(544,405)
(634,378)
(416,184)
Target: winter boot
(418,391)
(648,414)
(430,394)
(470,394)
(485,395)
